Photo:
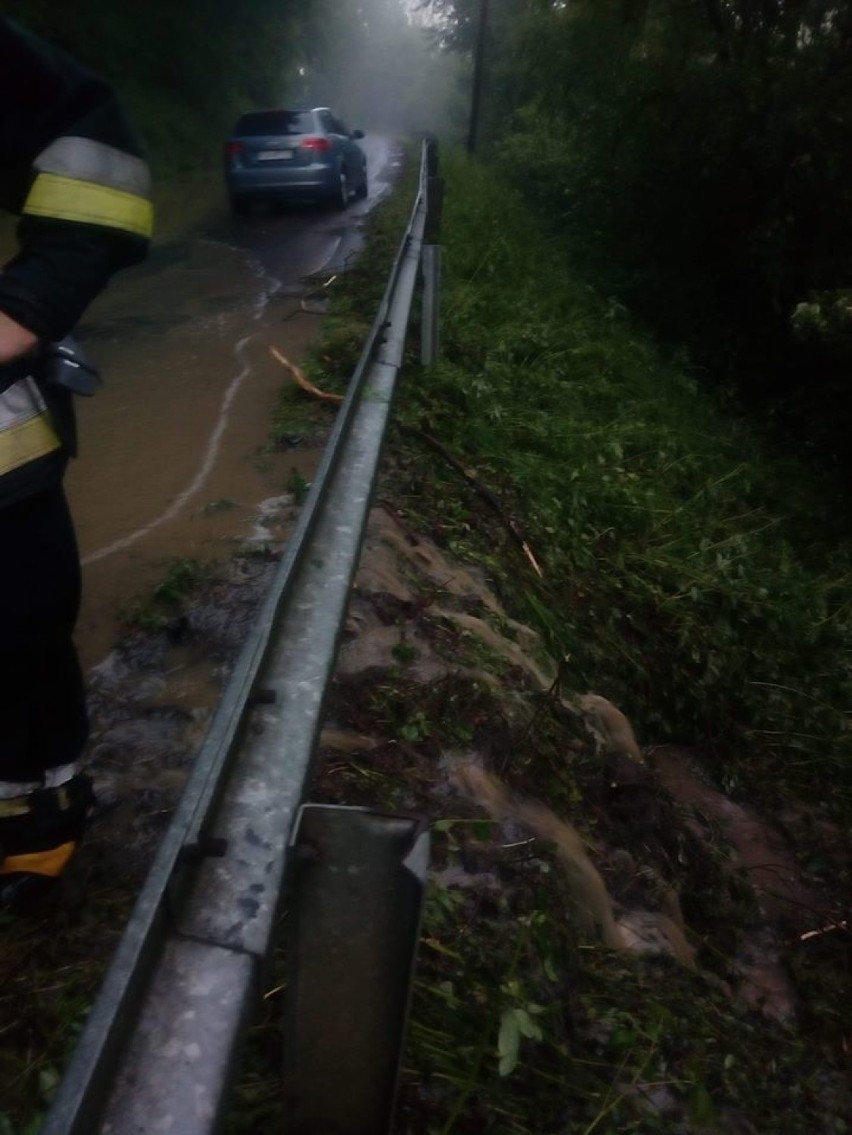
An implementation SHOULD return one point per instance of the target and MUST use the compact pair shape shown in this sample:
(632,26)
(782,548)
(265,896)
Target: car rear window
(276,122)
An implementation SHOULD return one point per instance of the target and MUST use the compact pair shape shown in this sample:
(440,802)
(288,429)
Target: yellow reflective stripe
(25,442)
(51,863)
(68,199)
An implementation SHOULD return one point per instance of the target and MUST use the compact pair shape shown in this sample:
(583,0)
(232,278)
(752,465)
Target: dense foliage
(184,70)
(698,155)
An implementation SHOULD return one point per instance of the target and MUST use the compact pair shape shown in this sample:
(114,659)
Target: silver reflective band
(87,160)
(19,402)
(12,789)
(53,778)
(26,432)
(56,777)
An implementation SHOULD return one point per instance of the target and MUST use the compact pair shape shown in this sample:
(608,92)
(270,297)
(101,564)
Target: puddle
(181,424)
(190,389)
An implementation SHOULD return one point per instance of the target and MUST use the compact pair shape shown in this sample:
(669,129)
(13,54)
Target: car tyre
(340,200)
(363,188)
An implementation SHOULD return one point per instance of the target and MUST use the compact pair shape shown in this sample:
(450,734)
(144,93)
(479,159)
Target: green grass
(53,963)
(330,361)
(182,578)
(692,572)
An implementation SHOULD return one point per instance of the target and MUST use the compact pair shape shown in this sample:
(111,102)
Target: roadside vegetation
(697,156)
(693,570)
(182,577)
(184,71)
(691,565)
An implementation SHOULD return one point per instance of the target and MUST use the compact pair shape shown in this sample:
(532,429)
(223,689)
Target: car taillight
(321,145)
(232,149)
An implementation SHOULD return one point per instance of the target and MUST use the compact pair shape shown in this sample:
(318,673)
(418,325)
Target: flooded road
(174,455)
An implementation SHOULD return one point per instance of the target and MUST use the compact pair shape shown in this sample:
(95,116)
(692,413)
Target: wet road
(173,449)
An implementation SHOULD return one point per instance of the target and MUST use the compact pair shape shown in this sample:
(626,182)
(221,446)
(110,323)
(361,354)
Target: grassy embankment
(694,574)
(691,571)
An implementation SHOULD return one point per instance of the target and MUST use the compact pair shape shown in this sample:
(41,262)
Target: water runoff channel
(158,1051)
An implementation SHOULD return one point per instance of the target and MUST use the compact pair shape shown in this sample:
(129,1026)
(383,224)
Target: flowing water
(174,449)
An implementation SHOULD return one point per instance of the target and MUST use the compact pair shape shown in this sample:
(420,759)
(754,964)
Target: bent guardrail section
(158,1048)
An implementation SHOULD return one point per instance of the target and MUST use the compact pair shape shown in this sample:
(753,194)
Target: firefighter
(72,171)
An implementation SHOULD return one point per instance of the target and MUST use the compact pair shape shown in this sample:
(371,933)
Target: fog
(377,65)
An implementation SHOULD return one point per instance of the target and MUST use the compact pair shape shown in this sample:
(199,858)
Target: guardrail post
(354,920)
(431,256)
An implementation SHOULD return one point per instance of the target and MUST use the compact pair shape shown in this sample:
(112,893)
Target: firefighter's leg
(44,799)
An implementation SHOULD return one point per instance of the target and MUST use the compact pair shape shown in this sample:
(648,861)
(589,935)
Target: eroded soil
(431,667)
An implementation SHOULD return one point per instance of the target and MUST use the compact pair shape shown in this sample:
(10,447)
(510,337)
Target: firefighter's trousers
(43,720)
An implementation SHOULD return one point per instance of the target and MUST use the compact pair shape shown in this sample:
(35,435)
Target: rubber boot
(39,835)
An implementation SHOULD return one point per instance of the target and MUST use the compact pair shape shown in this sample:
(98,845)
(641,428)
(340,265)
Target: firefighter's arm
(77,178)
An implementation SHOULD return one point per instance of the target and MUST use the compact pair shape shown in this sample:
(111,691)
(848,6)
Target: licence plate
(274,155)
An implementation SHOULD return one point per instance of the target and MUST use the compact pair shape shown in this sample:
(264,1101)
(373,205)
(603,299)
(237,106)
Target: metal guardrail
(353,925)
(158,1050)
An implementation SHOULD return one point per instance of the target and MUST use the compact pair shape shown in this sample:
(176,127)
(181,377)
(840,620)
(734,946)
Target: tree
(697,154)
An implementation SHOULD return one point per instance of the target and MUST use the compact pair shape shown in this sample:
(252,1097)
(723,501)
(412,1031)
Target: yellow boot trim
(51,863)
(19,806)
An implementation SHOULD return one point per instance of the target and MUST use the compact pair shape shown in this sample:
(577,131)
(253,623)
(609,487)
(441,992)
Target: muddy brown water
(174,450)
(788,904)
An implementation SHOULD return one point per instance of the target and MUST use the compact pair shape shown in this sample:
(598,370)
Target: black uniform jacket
(73,171)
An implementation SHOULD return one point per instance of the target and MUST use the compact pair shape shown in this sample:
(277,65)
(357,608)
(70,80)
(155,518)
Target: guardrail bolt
(264,697)
(205,847)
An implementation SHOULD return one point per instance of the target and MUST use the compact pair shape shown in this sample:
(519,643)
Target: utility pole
(476,97)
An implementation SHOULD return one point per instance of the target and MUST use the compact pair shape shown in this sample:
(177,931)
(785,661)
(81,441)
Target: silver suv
(282,155)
